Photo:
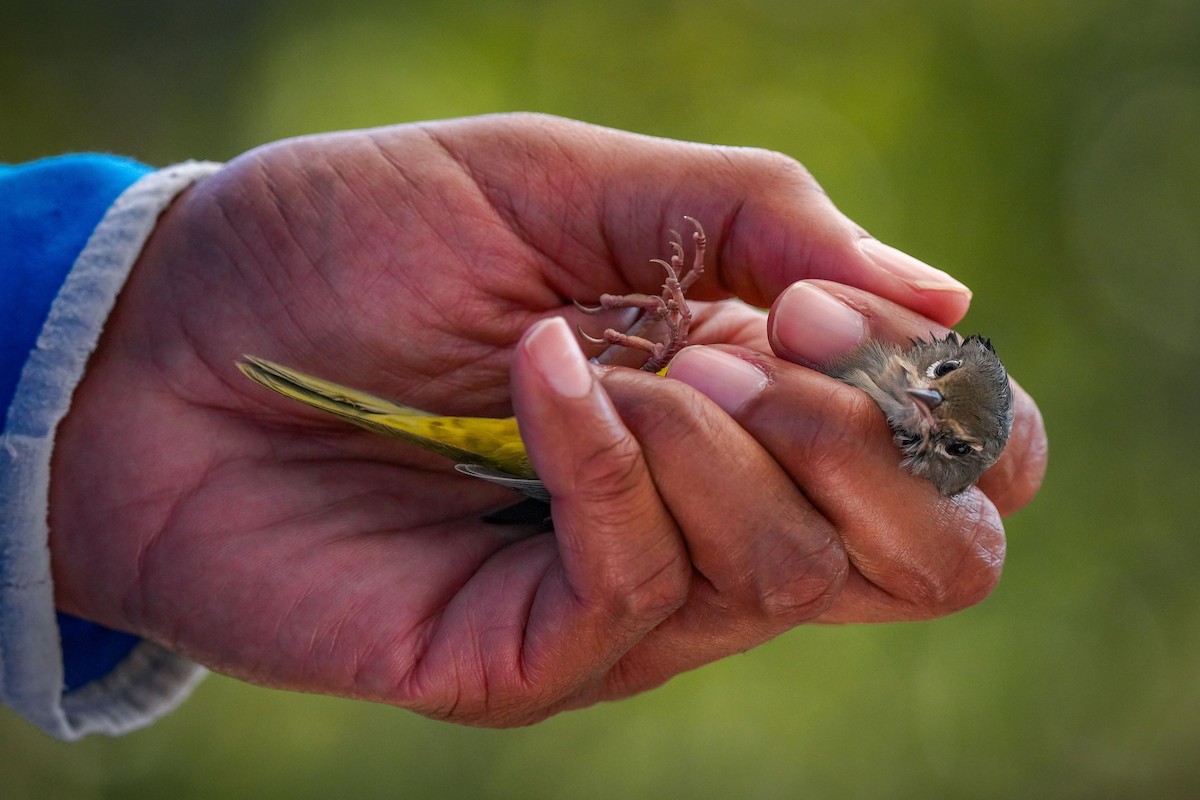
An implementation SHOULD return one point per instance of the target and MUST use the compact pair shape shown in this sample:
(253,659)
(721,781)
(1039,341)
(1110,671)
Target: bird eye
(943,368)
(958,448)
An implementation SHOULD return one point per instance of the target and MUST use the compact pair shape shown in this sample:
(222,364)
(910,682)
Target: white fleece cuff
(150,681)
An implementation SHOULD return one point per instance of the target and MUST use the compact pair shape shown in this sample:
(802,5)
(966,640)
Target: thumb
(624,563)
(770,224)
(787,229)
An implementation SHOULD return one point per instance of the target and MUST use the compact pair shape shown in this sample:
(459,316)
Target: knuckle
(971,568)
(772,168)
(649,594)
(608,475)
(669,413)
(836,436)
(804,582)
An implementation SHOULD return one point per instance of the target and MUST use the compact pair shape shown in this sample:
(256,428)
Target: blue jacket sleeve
(70,230)
(48,210)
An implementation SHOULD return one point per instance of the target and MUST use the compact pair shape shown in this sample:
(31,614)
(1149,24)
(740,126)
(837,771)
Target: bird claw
(670,308)
(592,339)
(588,309)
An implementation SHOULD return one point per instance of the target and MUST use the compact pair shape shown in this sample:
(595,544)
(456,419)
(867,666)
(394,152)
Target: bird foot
(669,309)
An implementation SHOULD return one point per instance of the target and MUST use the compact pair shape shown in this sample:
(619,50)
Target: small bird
(485,447)
(948,400)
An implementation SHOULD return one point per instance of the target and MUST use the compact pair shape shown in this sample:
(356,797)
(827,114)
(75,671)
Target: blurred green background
(1047,152)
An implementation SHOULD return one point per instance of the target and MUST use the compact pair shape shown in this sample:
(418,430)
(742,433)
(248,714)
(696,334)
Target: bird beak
(929,398)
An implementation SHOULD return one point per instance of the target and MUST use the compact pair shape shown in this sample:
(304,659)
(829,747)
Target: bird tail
(342,401)
(483,441)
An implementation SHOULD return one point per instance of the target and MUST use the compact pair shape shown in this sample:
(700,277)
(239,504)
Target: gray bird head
(947,400)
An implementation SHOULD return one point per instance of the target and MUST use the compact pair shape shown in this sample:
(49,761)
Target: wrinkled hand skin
(283,548)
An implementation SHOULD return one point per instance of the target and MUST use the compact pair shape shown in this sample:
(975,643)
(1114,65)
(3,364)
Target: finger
(815,320)
(921,555)
(623,566)
(729,322)
(770,224)
(764,559)
(1014,480)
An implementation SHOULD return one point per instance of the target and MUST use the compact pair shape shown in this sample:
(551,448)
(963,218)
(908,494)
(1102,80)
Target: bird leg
(670,309)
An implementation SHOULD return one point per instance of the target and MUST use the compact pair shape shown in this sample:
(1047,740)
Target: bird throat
(887,376)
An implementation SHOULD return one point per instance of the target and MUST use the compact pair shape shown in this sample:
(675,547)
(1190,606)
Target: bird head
(948,401)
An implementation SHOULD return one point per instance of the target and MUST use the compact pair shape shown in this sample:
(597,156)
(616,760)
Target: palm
(295,551)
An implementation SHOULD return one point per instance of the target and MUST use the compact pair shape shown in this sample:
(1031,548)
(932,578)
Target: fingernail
(724,378)
(809,325)
(912,271)
(555,354)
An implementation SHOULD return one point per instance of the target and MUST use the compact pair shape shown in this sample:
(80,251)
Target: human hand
(191,509)
(911,554)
